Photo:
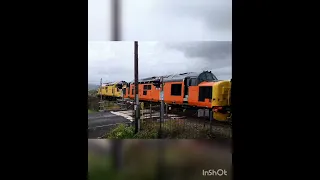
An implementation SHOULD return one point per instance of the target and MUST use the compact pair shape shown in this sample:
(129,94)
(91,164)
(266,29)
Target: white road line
(128,115)
(121,113)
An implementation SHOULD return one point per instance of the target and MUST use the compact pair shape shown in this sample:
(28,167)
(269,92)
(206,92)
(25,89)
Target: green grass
(90,111)
(127,132)
(121,132)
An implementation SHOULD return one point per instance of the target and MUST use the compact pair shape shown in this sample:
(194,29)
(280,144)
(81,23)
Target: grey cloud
(209,50)
(214,55)
(113,61)
(216,14)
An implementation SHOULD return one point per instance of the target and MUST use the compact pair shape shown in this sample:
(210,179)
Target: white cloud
(163,20)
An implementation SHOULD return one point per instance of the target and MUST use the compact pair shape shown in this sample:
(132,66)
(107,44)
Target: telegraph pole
(101,89)
(136,85)
(115,33)
(161,106)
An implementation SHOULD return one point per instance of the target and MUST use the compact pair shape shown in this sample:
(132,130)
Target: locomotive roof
(113,83)
(180,77)
(174,77)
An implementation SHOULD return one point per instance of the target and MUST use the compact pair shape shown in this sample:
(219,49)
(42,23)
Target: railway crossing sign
(161,96)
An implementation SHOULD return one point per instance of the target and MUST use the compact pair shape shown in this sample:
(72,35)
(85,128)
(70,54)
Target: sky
(114,61)
(174,36)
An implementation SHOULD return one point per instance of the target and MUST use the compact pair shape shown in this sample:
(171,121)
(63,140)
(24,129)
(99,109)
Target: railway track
(126,106)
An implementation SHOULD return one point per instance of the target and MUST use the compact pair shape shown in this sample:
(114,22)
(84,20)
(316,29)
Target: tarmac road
(102,122)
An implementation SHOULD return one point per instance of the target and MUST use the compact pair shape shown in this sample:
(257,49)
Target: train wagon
(147,90)
(111,90)
(125,88)
(102,90)
(199,90)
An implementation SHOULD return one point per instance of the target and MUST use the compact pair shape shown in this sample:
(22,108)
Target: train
(198,90)
(111,90)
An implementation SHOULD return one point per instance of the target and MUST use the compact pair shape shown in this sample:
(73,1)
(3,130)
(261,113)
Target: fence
(182,125)
(176,124)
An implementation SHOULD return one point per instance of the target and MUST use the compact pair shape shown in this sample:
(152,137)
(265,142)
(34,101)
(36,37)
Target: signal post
(161,106)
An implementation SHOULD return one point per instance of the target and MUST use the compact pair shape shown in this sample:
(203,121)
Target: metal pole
(150,111)
(123,90)
(142,109)
(100,103)
(161,106)
(166,112)
(136,85)
(101,89)
(211,117)
(204,119)
(115,34)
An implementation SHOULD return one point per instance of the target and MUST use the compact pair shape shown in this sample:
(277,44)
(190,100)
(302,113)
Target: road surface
(102,122)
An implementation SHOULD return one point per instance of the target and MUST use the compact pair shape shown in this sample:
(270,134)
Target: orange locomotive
(200,90)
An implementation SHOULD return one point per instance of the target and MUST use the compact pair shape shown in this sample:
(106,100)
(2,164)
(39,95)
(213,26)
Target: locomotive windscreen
(119,86)
(206,76)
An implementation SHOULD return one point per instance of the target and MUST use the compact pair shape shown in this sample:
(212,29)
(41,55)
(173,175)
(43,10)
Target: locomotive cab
(221,100)
(217,92)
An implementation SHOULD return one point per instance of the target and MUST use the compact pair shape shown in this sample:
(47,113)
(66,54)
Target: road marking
(123,114)
(128,115)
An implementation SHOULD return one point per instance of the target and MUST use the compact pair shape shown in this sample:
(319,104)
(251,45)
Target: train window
(176,89)
(214,77)
(209,76)
(124,91)
(205,92)
(145,93)
(132,91)
(147,87)
(188,83)
(202,77)
(193,82)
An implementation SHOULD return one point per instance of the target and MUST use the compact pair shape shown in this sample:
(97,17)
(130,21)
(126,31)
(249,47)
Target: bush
(93,103)
(147,134)
(121,132)
(172,129)
(127,132)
